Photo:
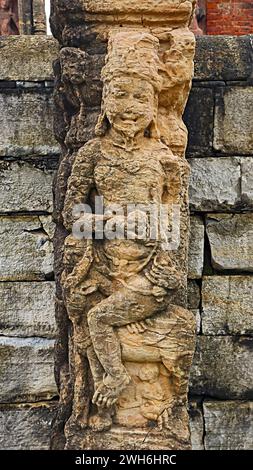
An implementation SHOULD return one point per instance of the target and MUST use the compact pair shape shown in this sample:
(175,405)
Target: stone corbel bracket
(99,16)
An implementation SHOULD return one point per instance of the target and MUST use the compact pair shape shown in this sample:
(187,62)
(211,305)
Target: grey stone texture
(215,183)
(26,123)
(231,241)
(27,309)
(228,425)
(198,118)
(227,305)
(27,369)
(26,426)
(223,58)
(233,124)
(223,367)
(25,188)
(27,58)
(194,302)
(26,252)
(196,425)
(196,248)
(247,181)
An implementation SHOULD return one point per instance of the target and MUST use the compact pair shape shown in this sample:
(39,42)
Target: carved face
(130,104)
(6,4)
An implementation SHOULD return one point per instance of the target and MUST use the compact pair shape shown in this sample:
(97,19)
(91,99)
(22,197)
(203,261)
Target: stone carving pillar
(39,17)
(25,14)
(125,338)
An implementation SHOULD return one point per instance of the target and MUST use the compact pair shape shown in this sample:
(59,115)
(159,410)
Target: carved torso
(118,170)
(126,177)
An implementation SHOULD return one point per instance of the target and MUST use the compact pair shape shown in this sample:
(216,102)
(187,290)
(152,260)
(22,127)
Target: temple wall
(220,151)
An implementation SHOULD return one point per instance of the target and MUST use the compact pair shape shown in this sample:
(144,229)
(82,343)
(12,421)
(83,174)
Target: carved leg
(81,397)
(124,307)
(79,363)
(180,379)
(96,367)
(102,420)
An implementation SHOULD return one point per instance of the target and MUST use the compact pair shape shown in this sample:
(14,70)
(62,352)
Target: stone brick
(233,124)
(199,120)
(26,123)
(27,369)
(228,425)
(27,309)
(48,225)
(223,367)
(27,58)
(227,305)
(233,17)
(215,184)
(231,241)
(247,181)
(196,425)
(223,58)
(196,248)
(26,426)
(26,252)
(25,188)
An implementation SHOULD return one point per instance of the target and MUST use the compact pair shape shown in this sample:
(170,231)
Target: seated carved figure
(119,292)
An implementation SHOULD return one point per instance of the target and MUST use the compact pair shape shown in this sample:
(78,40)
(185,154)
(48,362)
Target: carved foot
(109,391)
(74,422)
(101,421)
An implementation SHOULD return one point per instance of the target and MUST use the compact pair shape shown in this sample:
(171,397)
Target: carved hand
(139,327)
(163,273)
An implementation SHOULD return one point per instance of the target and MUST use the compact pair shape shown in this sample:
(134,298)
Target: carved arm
(80,183)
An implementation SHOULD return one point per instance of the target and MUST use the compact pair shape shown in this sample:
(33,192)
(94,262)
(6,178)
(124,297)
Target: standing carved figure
(8,17)
(119,292)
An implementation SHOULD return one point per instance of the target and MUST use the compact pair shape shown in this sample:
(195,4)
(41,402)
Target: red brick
(233,17)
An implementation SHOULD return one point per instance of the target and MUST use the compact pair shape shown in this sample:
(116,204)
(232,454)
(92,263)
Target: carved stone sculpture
(126,340)
(8,17)
(198,25)
(39,17)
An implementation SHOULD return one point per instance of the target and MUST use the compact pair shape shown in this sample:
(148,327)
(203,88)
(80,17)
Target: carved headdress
(134,55)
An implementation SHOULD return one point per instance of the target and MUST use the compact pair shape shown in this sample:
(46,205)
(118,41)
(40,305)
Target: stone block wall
(28,159)
(220,152)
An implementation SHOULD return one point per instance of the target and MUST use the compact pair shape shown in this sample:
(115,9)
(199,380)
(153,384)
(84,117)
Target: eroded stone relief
(8,17)
(131,339)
